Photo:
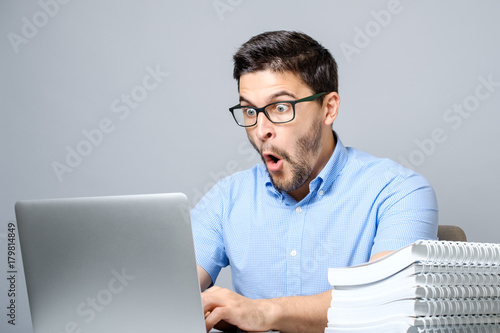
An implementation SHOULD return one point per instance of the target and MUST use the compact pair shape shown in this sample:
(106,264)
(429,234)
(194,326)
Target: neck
(329,143)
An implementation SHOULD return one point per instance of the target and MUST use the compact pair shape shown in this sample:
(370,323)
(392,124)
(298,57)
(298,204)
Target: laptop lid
(110,264)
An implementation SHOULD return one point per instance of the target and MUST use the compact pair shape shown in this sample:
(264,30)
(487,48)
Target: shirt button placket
(294,242)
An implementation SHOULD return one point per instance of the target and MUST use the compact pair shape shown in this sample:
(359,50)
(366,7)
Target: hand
(223,307)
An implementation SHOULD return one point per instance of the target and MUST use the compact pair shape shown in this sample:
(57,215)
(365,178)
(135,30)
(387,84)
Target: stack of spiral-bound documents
(428,286)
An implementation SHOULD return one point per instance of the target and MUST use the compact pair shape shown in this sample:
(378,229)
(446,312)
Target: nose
(264,128)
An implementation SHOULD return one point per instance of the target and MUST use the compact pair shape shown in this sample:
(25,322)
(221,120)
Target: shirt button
(298,209)
(293,253)
(320,193)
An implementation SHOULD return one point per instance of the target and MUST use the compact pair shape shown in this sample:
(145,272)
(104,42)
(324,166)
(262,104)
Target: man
(314,204)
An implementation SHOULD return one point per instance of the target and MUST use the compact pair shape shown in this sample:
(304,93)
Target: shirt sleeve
(407,212)
(206,219)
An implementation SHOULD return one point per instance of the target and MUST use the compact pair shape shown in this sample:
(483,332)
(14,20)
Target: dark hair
(282,51)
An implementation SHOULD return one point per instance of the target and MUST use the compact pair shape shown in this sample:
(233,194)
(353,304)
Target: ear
(331,104)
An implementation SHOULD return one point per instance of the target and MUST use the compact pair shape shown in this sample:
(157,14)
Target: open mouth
(273,162)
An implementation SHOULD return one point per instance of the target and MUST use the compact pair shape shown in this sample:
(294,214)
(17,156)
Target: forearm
(299,313)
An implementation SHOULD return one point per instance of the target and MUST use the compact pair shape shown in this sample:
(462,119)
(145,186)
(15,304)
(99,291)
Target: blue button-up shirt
(357,206)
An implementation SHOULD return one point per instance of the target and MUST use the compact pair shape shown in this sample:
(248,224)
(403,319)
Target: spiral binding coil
(484,323)
(462,253)
(460,291)
(456,306)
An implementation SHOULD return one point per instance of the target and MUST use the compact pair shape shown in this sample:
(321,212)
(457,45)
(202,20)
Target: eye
(249,112)
(281,108)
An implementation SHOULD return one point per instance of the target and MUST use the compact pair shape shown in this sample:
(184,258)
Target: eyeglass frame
(263,109)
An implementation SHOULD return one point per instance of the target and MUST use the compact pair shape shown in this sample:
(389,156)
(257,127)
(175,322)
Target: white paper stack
(428,286)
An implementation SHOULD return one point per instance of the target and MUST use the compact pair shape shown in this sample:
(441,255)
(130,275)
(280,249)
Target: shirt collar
(327,175)
(332,169)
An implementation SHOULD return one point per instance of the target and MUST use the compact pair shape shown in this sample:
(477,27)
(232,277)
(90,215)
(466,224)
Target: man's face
(291,151)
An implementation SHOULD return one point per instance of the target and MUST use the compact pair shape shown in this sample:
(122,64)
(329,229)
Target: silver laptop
(110,264)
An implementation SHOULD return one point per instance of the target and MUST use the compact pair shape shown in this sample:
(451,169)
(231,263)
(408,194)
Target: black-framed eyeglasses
(277,112)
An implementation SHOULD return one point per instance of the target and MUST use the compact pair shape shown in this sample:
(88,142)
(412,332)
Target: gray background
(406,68)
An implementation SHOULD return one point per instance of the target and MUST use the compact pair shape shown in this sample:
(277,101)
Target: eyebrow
(272,97)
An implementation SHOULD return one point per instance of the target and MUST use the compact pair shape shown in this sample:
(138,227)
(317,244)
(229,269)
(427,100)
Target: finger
(214,299)
(212,289)
(214,317)
(210,302)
